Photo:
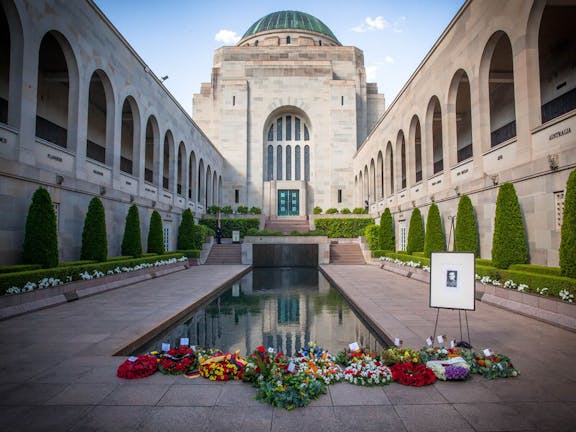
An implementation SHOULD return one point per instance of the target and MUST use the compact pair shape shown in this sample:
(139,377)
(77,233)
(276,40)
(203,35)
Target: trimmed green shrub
(313,233)
(568,233)
(94,242)
(228,224)
(19,279)
(434,240)
(202,233)
(189,253)
(317,210)
(380,253)
(213,210)
(343,227)
(242,210)
(155,234)
(186,231)
(255,210)
(533,268)
(359,210)
(77,263)
(466,231)
(418,253)
(345,210)
(372,234)
(403,257)
(387,236)
(554,283)
(132,240)
(263,233)
(332,210)
(415,232)
(19,268)
(509,241)
(41,239)
(227,210)
(119,258)
(484,262)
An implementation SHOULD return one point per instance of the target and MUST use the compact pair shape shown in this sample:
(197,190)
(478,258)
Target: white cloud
(227,37)
(389,59)
(371,24)
(371,73)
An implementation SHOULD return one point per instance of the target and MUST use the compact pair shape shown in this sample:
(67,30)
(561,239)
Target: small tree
(415,233)
(434,239)
(372,234)
(94,242)
(155,234)
(568,234)
(387,237)
(186,231)
(132,240)
(40,238)
(509,241)
(466,231)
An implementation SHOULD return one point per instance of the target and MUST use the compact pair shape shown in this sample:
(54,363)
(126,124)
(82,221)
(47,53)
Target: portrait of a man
(452,278)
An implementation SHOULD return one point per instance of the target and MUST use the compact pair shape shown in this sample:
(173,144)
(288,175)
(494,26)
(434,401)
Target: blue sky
(178,38)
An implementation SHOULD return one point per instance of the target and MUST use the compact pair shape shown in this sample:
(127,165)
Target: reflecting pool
(283,308)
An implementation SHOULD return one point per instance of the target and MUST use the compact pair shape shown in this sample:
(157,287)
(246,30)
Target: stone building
(288,107)
(287,122)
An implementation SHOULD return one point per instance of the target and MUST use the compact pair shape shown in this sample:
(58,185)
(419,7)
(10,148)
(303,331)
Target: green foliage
(554,283)
(189,253)
(186,232)
(434,240)
(415,232)
(404,257)
(359,210)
(94,242)
(533,268)
(213,210)
(132,241)
(317,210)
(155,234)
(568,233)
(509,242)
(263,233)
(372,234)
(63,272)
(202,233)
(380,253)
(255,210)
(342,227)
(312,233)
(41,239)
(228,224)
(19,268)
(466,231)
(387,236)
(345,210)
(484,262)
(77,263)
(242,210)
(227,210)
(332,210)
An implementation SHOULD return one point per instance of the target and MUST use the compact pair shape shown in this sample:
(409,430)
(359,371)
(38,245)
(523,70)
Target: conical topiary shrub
(568,235)
(466,232)
(155,234)
(132,241)
(387,238)
(509,241)
(94,243)
(434,240)
(415,233)
(186,238)
(41,239)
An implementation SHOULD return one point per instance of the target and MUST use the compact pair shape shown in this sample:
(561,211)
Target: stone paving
(57,372)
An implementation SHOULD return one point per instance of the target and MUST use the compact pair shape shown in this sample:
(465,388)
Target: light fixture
(102,190)
(494,179)
(59,179)
(131,198)
(553,162)
(164,78)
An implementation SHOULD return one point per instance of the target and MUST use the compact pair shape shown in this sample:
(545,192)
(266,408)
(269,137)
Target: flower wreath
(222,367)
(492,366)
(137,367)
(411,374)
(439,353)
(454,369)
(319,363)
(177,361)
(367,371)
(400,355)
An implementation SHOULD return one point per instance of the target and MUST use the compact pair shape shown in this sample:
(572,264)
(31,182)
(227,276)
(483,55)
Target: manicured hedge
(415,232)
(484,262)
(188,253)
(533,268)
(228,224)
(40,237)
(387,236)
(404,257)
(434,240)
(343,227)
(156,234)
(380,253)
(21,278)
(94,241)
(466,231)
(132,240)
(19,268)
(77,263)
(568,233)
(186,237)
(263,233)
(554,283)
(372,234)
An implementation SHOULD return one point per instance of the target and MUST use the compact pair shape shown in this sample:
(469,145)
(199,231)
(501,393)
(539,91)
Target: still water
(283,308)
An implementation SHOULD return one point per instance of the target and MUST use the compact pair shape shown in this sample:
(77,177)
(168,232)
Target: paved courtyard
(57,372)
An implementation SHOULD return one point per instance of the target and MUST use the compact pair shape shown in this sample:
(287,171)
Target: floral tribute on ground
(293,382)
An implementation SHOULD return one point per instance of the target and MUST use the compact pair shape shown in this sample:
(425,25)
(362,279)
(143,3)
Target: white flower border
(51,282)
(564,294)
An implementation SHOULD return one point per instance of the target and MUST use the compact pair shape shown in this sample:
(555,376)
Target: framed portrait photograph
(452,280)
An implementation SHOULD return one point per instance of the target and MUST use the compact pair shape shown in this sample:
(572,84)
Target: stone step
(225,254)
(346,254)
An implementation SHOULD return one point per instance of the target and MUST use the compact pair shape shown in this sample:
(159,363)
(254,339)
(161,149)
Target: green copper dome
(290,20)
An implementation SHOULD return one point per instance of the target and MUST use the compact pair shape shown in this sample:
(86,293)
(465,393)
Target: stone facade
(492,102)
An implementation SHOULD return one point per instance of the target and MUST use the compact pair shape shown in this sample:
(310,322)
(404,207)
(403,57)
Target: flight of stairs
(225,254)
(287,225)
(346,253)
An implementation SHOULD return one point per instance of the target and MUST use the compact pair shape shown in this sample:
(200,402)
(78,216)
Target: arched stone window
(416,144)
(201,183)
(208,186)
(150,152)
(181,168)
(401,148)
(270,163)
(380,175)
(129,135)
(390,165)
(373,195)
(168,161)
(192,176)
(279,162)
(434,130)
(288,162)
(215,195)
(5,49)
(307,163)
(297,156)
(463,116)
(100,122)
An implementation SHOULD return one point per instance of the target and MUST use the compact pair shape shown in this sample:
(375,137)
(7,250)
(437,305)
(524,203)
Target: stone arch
(201,183)
(435,161)
(100,119)
(372,192)
(151,151)
(460,119)
(402,179)
(192,177)
(415,139)
(389,163)
(181,175)
(11,64)
(129,136)
(380,175)
(168,161)
(208,186)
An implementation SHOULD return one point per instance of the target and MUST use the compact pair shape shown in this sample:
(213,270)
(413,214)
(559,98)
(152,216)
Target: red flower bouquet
(411,374)
(138,367)
(177,361)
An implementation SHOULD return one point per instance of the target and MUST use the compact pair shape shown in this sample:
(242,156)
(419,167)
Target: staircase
(346,254)
(225,254)
(287,225)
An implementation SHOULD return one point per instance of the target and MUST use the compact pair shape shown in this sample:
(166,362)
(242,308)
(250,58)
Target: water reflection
(283,308)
